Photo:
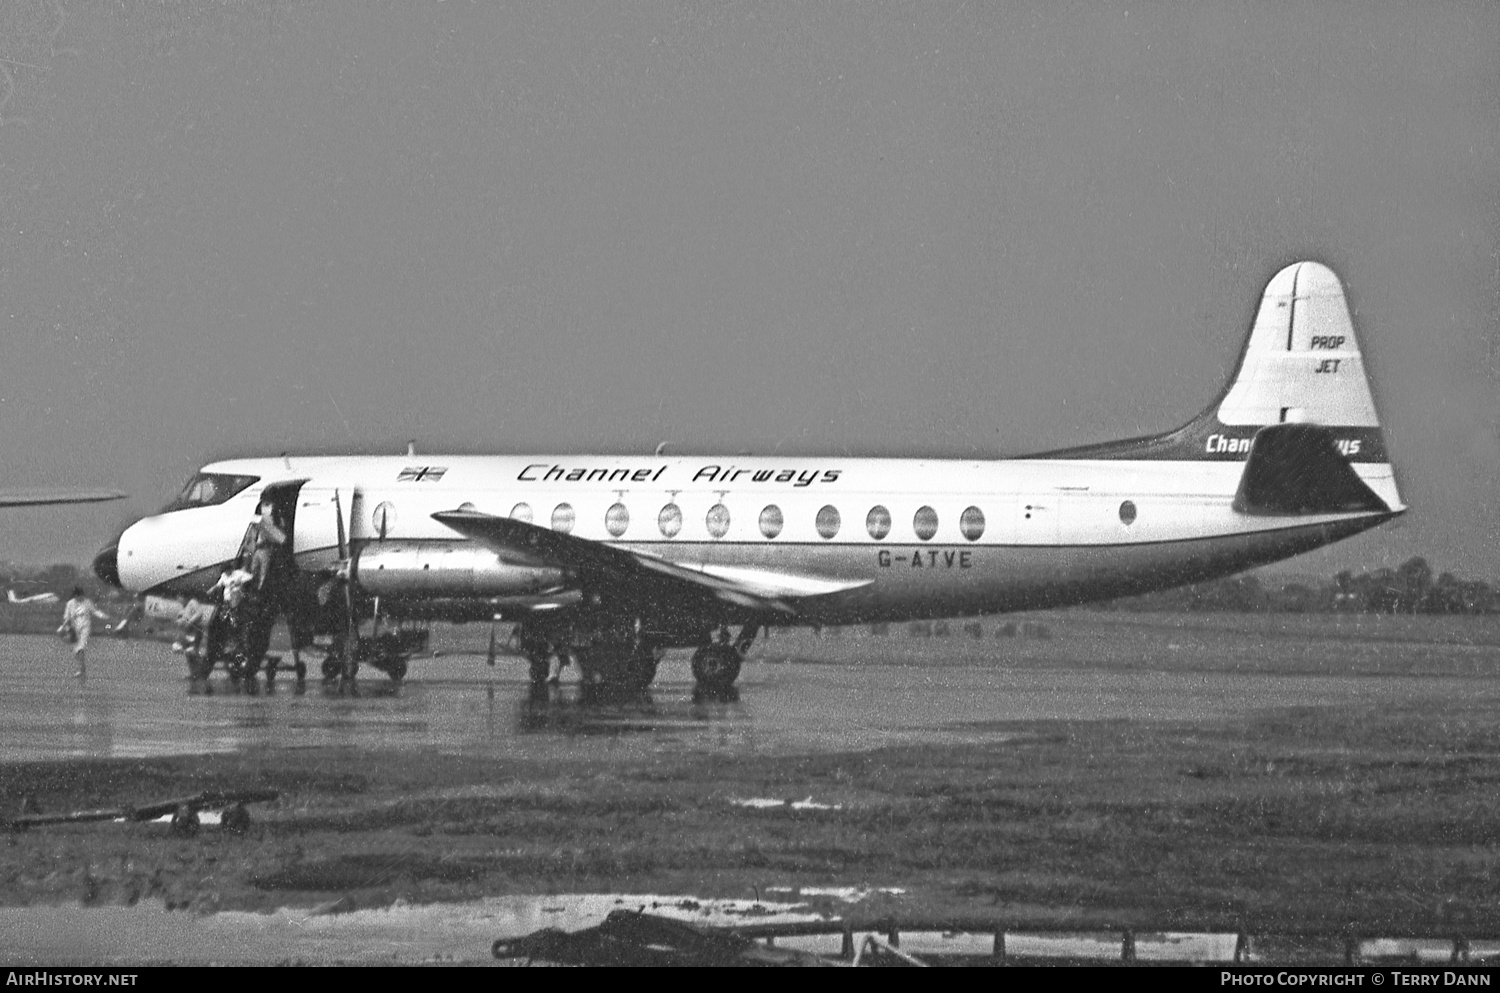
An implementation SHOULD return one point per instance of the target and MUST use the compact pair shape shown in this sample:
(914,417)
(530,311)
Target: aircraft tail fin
(1301,363)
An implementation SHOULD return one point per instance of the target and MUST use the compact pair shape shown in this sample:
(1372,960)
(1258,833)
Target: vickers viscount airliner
(610,560)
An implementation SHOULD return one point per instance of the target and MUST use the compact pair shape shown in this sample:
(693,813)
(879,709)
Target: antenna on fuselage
(286,461)
(662,447)
(411,447)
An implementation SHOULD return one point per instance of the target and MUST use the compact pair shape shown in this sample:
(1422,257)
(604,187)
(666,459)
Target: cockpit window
(209,488)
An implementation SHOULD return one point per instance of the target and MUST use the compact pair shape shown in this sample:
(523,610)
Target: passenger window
(562,518)
(770,521)
(616,519)
(1127,513)
(717,520)
(828,521)
(521,512)
(670,520)
(878,522)
(925,523)
(971,523)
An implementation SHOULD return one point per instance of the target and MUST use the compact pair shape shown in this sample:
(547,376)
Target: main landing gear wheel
(613,670)
(716,667)
(539,667)
(537,649)
(243,669)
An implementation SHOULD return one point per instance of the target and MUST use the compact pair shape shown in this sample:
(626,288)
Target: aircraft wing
(526,544)
(32,498)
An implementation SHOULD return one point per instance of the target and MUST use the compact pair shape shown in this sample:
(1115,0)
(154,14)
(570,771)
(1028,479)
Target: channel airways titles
(542,472)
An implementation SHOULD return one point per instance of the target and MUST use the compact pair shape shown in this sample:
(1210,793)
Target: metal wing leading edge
(634,573)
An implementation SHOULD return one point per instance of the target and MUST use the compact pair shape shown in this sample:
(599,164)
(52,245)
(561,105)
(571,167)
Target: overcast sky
(960,228)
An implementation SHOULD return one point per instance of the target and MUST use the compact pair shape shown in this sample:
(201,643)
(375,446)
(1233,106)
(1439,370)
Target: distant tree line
(1410,588)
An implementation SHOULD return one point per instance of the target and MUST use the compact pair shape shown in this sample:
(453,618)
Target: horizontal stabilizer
(1297,469)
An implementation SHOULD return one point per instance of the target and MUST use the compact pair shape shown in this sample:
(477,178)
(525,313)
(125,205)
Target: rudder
(1302,364)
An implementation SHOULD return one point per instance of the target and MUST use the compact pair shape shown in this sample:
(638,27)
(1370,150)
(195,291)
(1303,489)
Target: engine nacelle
(445,569)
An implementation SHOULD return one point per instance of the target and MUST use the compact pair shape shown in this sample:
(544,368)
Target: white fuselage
(896,538)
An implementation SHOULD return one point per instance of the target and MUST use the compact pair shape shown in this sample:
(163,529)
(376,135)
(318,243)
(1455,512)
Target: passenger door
(316,540)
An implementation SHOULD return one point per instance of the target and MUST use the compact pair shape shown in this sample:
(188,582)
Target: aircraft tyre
(616,668)
(332,667)
(537,650)
(716,667)
(539,666)
(593,665)
(247,668)
(639,668)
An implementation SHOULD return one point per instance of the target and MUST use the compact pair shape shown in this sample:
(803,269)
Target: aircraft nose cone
(107,564)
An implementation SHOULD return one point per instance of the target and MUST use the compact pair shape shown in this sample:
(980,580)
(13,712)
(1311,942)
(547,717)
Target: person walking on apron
(78,624)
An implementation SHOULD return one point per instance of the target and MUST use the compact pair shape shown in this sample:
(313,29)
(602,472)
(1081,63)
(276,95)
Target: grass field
(1381,816)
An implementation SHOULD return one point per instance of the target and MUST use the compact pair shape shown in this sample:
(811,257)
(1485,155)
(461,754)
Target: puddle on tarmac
(399,934)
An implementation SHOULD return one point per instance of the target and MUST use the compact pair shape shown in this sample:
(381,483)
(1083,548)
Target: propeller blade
(338,516)
(345,572)
(351,629)
(356,503)
(490,658)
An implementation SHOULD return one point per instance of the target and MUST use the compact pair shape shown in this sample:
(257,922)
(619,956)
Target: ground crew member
(78,624)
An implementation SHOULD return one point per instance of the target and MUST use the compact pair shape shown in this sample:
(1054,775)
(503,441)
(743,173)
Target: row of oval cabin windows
(877,522)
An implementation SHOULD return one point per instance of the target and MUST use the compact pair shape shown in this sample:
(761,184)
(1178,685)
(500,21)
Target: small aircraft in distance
(34,498)
(36,598)
(607,561)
